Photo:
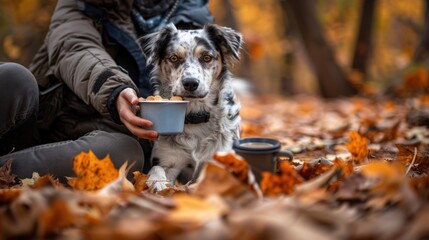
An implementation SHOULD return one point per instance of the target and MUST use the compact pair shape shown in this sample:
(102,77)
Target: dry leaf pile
(360,171)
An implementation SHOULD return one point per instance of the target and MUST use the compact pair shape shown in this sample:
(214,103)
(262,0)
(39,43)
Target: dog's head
(190,63)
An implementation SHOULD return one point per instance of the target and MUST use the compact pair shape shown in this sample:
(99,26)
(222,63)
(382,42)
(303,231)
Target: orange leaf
(358,146)
(346,166)
(234,164)
(57,216)
(140,181)
(283,183)
(92,173)
(9,195)
(389,176)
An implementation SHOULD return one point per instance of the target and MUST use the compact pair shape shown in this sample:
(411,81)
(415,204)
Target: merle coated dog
(194,64)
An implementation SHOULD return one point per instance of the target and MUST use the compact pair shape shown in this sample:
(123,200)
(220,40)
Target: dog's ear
(227,40)
(154,45)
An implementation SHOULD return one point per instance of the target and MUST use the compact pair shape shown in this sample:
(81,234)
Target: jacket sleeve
(78,58)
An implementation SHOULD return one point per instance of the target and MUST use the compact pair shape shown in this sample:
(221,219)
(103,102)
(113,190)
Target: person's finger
(142,133)
(136,121)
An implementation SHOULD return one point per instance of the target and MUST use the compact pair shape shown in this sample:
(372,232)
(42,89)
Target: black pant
(19,139)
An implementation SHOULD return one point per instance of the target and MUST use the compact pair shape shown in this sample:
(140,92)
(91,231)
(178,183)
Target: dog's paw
(157,179)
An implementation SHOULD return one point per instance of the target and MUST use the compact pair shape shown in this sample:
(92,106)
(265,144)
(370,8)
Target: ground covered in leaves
(360,171)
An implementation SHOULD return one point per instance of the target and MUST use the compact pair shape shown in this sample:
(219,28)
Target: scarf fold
(150,16)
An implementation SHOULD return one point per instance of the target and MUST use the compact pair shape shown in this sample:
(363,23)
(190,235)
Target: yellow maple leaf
(92,173)
(357,146)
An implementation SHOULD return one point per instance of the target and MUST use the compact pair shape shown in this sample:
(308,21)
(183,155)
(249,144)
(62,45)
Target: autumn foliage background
(274,57)
(361,163)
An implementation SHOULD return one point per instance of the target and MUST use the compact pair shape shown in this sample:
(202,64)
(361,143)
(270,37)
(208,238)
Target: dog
(194,64)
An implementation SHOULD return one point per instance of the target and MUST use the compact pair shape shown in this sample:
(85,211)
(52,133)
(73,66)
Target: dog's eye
(173,58)
(207,58)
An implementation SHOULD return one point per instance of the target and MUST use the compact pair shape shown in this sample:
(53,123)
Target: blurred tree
(364,37)
(421,52)
(24,25)
(229,19)
(331,79)
(259,22)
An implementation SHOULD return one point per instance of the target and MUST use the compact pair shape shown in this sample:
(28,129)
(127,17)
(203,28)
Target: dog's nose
(190,84)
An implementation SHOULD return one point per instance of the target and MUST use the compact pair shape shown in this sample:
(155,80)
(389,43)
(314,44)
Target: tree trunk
(422,49)
(331,79)
(363,42)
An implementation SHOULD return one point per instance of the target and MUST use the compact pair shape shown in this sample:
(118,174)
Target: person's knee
(19,81)
(20,97)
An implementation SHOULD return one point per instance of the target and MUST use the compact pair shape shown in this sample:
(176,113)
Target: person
(90,72)
(20,140)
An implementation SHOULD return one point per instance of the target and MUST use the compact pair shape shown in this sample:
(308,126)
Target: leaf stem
(412,162)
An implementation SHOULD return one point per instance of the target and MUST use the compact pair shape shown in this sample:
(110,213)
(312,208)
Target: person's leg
(57,158)
(18,108)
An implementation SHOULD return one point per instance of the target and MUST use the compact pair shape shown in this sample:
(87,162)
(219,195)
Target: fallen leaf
(389,176)
(30,181)
(57,216)
(234,164)
(357,146)
(193,211)
(7,179)
(315,168)
(282,183)
(45,181)
(216,180)
(8,195)
(92,173)
(140,181)
(120,184)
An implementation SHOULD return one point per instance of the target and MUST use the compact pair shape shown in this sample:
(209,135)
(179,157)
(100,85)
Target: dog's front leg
(160,177)
(172,174)
(157,178)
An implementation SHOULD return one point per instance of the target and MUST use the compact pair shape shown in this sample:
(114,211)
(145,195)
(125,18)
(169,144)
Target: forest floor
(360,171)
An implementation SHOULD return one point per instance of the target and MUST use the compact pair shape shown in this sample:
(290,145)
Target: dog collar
(198,117)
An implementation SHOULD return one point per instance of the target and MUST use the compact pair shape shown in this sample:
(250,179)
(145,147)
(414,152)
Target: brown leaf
(7,179)
(315,168)
(46,181)
(216,180)
(412,152)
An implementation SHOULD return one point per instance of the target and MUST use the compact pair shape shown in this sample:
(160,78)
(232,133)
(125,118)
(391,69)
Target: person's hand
(126,104)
